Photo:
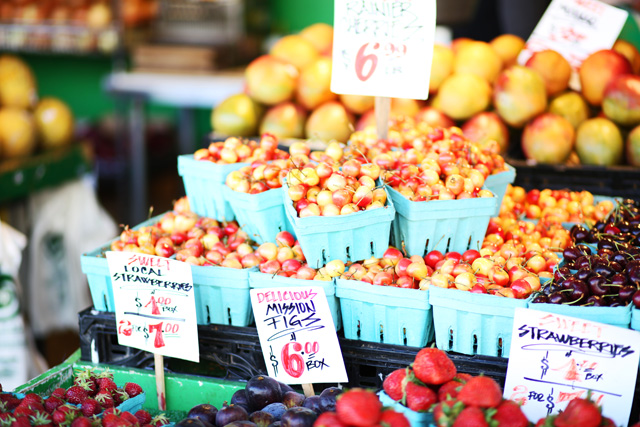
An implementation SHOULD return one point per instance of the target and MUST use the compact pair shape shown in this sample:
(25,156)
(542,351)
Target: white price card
(297,335)
(575,29)
(555,359)
(155,304)
(383,47)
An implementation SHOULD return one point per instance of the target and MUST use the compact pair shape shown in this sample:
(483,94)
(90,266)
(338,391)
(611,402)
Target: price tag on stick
(555,359)
(155,308)
(383,47)
(297,335)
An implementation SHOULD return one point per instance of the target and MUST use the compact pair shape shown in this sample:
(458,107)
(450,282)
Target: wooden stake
(158,360)
(308,390)
(383,110)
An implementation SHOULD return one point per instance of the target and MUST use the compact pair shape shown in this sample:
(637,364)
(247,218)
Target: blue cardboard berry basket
(416,419)
(261,215)
(352,237)
(445,225)
(635,319)
(259,280)
(385,314)
(221,293)
(498,184)
(471,323)
(203,181)
(616,316)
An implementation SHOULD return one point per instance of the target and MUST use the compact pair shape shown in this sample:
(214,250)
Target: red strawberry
(450,389)
(88,384)
(119,396)
(76,394)
(393,384)
(51,403)
(81,421)
(358,407)
(509,414)
(105,374)
(463,378)
(11,402)
(65,414)
(433,366)
(114,411)
(59,392)
(420,398)
(5,417)
(143,417)
(392,418)
(128,416)
(31,404)
(21,422)
(0,387)
(608,422)
(328,419)
(471,417)
(106,384)
(542,422)
(445,411)
(42,419)
(481,391)
(91,407)
(23,411)
(104,399)
(160,420)
(579,412)
(113,420)
(32,398)
(132,389)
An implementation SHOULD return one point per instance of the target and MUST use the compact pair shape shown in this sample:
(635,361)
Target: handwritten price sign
(383,47)
(555,359)
(297,335)
(575,29)
(155,304)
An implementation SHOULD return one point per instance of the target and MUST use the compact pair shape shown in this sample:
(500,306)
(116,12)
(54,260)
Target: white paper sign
(297,335)
(575,29)
(555,359)
(155,304)
(383,47)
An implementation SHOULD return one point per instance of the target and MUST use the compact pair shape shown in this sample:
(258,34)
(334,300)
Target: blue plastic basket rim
(411,298)
(187,165)
(622,313)
(258,279)
(254,202)
(505,177)
(336,223)
(447,297)
(410,209)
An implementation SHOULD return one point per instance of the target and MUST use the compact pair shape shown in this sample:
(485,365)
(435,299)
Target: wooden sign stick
(382,111)
(308,390)
(158,360)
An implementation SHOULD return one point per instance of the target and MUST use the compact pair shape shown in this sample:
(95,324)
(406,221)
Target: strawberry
(132,389)
(90,407)
(358,407)
(51,403)
(160,420)
(23,411)
(0,387)
(470,416)
(65,414)
(11,402)
(31,404)
(119,396)
(32,398)
(608,422)
(509,414)
(393,384)
(445,411)
(328,419)
(463,378)
(481,391)
(114,411)
(113,420)
(59,393)
(419,398)
(579,412)
(105,374)
(42,419)
(88,384)
(104,399)
(392,418)
(450,389)
(81,421)
(128,416)
(5,417)
(106,384)
(433,366)
(143,417)
(21,422)
(76,394)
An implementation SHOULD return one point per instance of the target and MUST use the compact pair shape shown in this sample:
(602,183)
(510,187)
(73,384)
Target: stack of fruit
(26,123)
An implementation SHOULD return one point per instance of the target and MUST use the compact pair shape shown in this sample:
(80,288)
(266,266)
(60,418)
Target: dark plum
(313,403)
(292,399)
(284,387)
(261,418)
(276,409)
(275,424)
(261,391)
(239,398)
(191,422)
(204,412)
(241,423)
(331,391)
(230,413)
(298,417)
(327,403)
